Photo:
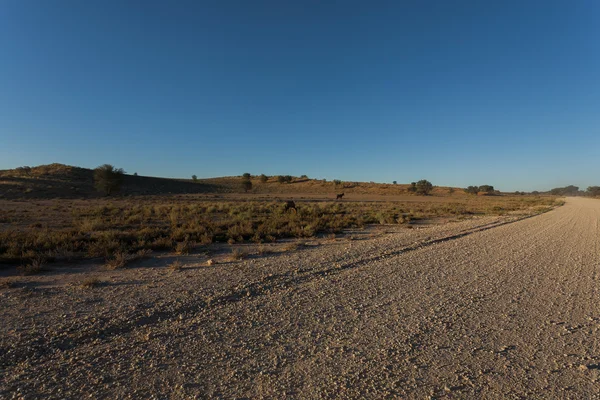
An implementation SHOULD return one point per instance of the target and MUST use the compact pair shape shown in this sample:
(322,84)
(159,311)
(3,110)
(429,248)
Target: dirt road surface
(472,310)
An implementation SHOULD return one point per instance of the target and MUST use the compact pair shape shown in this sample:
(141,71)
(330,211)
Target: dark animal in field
(290,205)
(339,196)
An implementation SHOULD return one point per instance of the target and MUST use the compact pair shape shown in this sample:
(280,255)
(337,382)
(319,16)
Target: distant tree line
(108,179)
(572,190)
(565,191)
(593,191)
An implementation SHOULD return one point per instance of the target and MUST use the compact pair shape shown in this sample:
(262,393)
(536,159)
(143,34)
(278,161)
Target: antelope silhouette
(339,196)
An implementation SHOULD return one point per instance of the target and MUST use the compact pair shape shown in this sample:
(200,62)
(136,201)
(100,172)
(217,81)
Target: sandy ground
(486,308)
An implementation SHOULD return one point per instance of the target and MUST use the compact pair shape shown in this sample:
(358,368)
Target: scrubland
(37,232)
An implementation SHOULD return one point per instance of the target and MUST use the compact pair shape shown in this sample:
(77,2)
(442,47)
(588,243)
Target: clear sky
(460,93)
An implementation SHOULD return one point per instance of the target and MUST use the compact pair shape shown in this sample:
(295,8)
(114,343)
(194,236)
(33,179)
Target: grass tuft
(37,266)
(238,254)
(91,283)
(176,266)
(8,284)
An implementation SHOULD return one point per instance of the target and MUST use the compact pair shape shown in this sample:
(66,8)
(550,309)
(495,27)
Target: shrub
(337,182)
(424,187)
(413,187)
(395,182)
(246,185)
(263,178)
(246,175)
(194,178)
(108,179)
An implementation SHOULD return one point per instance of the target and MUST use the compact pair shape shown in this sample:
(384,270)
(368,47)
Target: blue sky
(458,92)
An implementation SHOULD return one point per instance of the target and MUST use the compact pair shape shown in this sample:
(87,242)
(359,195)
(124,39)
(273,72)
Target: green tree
(412,187)
(486,189)
(424,187)
(263,178)
(108,179)
(472,190)
(246,175)
(395,182)
(194,178)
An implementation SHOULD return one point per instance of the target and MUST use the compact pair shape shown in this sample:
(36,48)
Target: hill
(64,181)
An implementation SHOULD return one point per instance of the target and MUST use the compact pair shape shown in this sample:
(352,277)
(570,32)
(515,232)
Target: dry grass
(91,283)
(8,284)
(238,254)
(36,266)
(118,260)
(293,246)
(262,250)
(121,258)
(175,266)
(185,247)
(117,229)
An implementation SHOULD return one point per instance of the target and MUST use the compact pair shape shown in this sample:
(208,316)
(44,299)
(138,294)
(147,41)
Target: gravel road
(489,308)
